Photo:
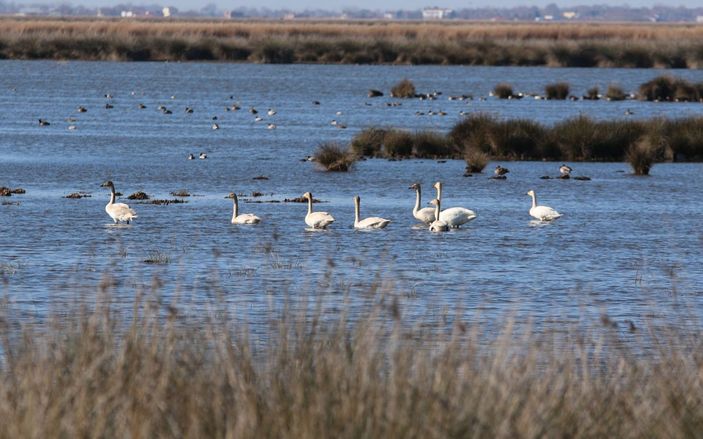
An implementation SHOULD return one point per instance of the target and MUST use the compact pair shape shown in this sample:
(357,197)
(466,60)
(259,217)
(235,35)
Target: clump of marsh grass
(139,195)
(398,143)
(332,156)
(403,89)
(503,91)
(669,89)
(476,160)
(615,93)
(644,153)
(592,94)
(161,372)
(430,144)
(559,90)
(369,142)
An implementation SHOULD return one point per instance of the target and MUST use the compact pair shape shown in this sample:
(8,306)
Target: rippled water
(625,245)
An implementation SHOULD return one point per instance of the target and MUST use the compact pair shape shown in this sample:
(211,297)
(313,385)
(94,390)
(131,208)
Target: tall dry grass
(94,372)
(578,45)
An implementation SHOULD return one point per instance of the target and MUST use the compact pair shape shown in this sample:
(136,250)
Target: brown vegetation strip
(584,45)
(159,373)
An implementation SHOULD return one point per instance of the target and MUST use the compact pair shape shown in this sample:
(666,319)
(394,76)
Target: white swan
(542,213)
(244,218)
(372,222)
(438,225)
(454,216)
(426,214)
(118,211)
(316,220)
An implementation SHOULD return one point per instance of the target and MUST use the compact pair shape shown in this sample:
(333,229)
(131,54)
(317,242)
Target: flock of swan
(435,218)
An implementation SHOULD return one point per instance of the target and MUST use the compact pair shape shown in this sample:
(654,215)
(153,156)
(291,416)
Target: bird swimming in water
(565,170)
(191,157)
(500,171)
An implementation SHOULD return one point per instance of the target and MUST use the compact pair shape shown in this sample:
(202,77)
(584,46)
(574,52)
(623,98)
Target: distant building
(569,15)
(548,17)
(126,14)
(699,19)
(437,13)
(166,12)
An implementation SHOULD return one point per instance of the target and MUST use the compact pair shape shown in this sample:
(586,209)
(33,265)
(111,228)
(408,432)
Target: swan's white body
(454,216)
(316,220)
(542,213)
(426,214)
(118,211)
(372,222)
(244,218)
(438,225)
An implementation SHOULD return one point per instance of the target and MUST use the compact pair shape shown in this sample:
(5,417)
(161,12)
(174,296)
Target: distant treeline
(378,42)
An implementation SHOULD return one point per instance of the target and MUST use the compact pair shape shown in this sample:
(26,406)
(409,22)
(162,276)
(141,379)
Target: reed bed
(469,43)
(481,137)
(160,372)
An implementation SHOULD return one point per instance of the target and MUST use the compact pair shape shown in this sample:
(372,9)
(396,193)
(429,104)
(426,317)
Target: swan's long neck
(436,210)
(310,205)
(235,213)
(534,200)
(112,195)
(356,211)
(417,200)
(439,191)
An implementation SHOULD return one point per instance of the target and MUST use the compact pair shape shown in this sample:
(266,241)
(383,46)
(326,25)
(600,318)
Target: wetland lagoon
(335,332)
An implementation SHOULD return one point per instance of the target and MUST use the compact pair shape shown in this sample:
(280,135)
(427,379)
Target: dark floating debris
(167,202)
(138,196)
(545,177)
(499,177)
(181,193)
(375,93)
(468,174)
(260,177)
(582,178)
(78,195)
(257,194)
(6,191)
(299,200)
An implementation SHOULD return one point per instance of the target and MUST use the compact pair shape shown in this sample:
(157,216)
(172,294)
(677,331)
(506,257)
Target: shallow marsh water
(626,246)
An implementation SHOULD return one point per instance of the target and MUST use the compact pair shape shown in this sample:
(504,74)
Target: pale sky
(386,4)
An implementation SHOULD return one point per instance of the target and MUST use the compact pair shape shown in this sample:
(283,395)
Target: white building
(437,13)
(166,11)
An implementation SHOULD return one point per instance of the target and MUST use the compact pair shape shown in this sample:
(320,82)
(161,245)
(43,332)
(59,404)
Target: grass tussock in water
(403,89)
(159,373)
(559,91)
(332,156)
(670,89)
(447,43)
(580,138)
(615,93)
(503,91)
